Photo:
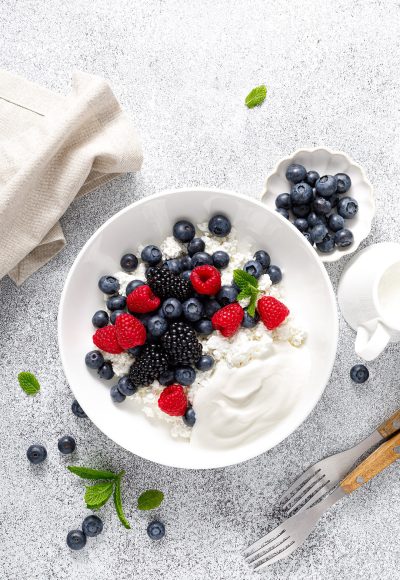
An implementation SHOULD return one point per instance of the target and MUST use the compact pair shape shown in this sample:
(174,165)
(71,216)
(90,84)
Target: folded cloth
(53,148)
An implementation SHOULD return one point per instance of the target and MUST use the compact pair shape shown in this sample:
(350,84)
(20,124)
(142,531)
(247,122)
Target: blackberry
(149,365)
(181,345)
(165,284)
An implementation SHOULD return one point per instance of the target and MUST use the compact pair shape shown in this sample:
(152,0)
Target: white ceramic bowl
(308,292)
(328,162)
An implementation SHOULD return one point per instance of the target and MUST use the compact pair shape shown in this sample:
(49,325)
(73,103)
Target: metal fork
(291,533)
(323,477)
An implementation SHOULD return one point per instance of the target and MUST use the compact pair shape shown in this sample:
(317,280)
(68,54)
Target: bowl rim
(336,254)
(332,298)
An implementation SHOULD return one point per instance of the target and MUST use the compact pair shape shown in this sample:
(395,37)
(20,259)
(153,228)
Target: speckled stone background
(183,68)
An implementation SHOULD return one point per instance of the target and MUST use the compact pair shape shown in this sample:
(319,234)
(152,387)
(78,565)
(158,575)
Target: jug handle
(368,346)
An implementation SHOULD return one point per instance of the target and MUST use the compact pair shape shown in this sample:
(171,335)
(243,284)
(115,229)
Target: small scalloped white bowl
(328,162)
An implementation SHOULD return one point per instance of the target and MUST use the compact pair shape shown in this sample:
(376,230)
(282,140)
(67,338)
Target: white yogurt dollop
(243,403)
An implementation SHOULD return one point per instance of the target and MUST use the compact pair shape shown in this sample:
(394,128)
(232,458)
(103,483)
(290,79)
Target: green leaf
(97,495)
(251,309)
(89,473)
(244,294)
(29,383)
(244,280)
(118,504)
(256,96)
(150,499)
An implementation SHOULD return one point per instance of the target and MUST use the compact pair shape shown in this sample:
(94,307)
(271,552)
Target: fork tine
(262,542)
(268,549)
(305,489)
(279,556)
(310,495)
(271,555)
(321,493)
(300,481)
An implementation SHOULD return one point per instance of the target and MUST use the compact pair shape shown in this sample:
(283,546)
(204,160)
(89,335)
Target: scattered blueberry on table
(156,530)
(359,373)
(36,454)
(92,526)
(66,445)
(76,540)
(77,410)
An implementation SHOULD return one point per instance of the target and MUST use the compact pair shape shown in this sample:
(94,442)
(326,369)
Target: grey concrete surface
(183,68)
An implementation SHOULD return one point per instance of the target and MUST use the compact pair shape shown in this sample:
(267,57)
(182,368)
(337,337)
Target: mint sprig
(28,383)
(150,499)
(256,96)
(118,504)
(97,495)
(248,286)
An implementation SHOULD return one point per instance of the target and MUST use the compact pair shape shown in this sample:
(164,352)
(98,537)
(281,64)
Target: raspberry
(106,339)
(142,300)
(271,311)
(206,280)
(173,401)
(228,319)
(130,331)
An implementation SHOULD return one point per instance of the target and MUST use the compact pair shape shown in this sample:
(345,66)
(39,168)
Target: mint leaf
(29,383)
(256,96)
(244,294)
(244,280)
(88,473)
(150,499)
(97,495)
(251,309)
(118,503)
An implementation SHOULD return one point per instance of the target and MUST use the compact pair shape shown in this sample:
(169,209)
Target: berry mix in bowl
(189,331)
(181,312)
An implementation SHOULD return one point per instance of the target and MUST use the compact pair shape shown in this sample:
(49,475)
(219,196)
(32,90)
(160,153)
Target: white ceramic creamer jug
(369,298)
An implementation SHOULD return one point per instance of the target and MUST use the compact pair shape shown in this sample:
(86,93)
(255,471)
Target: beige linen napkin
(53,148)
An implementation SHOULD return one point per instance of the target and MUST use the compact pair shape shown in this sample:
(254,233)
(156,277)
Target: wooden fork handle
(391,425)
(381,458)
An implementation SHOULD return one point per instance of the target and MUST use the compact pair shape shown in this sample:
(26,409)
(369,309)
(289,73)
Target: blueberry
(220,259)
(151,254)
(106,371)
(326,185)
(253,268)
(359,373)
(275,274)
(167,378)
(114,315)
(186,274)
(296,173)
(92,526)
(189,418)
(321,205)
(144,318)
(126,387)
(263,257)
(333,199)
(172,308)
(174,266)
(283,201)
(201,259)
(77,410)
(312,178)
(318,233)
(301,224)
(135,350)
(211,306)
(227,295)
(186,263)
(283,212)
(36,454)
(301,194)
(100,319)
(250,321)
(94,359)
(183,231)
(116,302)
(76,540)
(157,325)
(156,530)
(327,245)
(66,445)
(335,222)
(196,245)
(116,395)
(205,362)
(343,182)
(344,238)
(108,284)
(185,376)
(130,287)
(219,225)
(347,207)
(308,237)
(129,262)
(192,309)
(204,326)
(301,211)
(313,219)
